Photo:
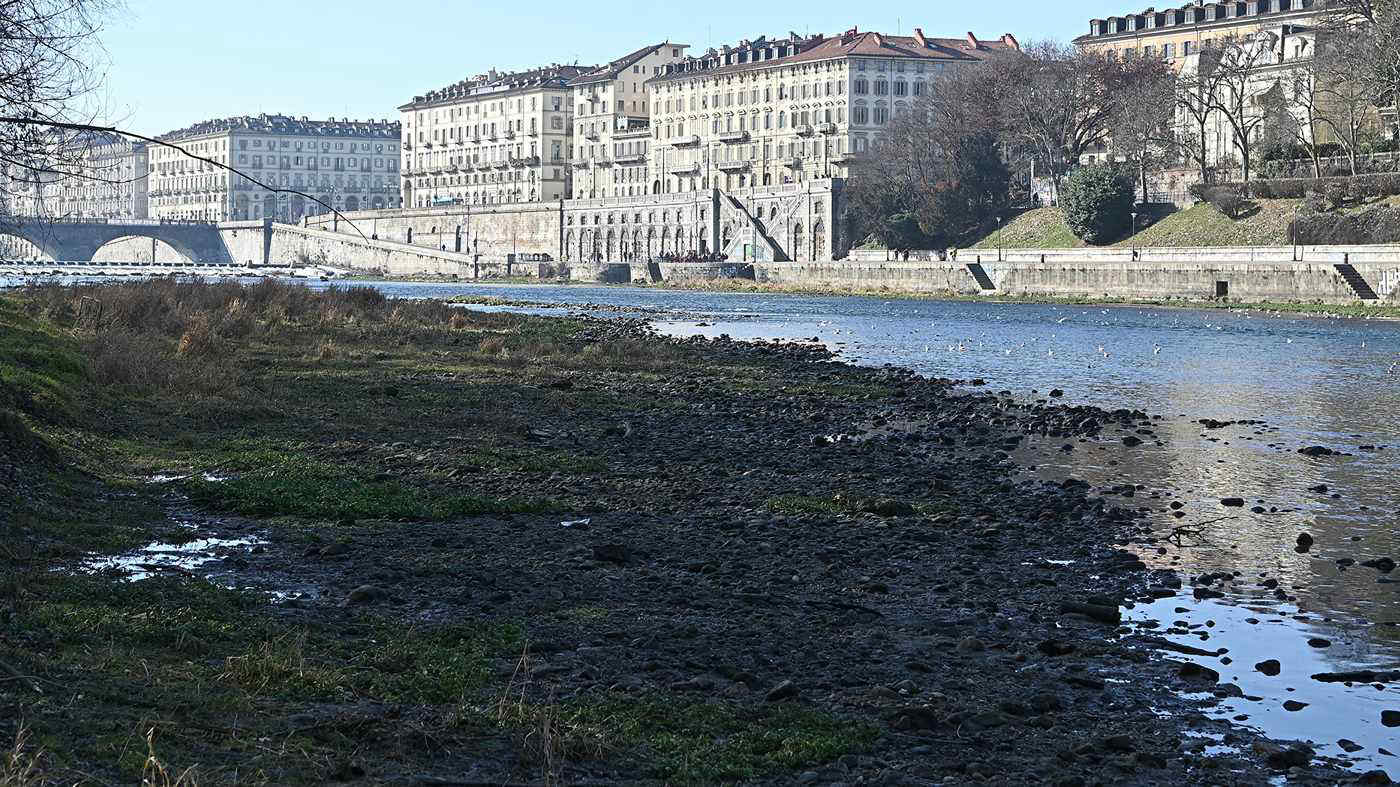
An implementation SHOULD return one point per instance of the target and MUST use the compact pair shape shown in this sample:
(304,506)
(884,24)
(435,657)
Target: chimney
(919,37)
(972,42)
(1011,42)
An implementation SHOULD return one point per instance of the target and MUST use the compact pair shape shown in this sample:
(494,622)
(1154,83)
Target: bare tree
(50,70)
(1196,88)
(1142,125)
(1238,67)
(1059,102)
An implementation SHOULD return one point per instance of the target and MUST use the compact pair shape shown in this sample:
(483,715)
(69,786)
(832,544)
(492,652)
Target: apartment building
(495,138)
(612,128)
(90,175)
(775,111)
(1175,34)
(345,164)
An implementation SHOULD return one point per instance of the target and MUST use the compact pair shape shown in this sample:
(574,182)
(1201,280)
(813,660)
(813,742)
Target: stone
(1374,777)
(1192,671)
(1131,441)
(1319,642)
(1305,539)
(338,548)
(611,553)
(1293,706)
(365,594)
(785,690)
(1119,743)
(1055,647)
(1349,746)
(1390,718)
(1270,667)
(1316,450)
(971,645)
(1296,756)
(1384,565)
(1232,502)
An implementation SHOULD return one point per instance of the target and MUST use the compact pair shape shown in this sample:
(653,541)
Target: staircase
(980,274)
(736,244)
(1359,285)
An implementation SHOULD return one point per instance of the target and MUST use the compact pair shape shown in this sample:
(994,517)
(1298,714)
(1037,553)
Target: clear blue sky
(175,63)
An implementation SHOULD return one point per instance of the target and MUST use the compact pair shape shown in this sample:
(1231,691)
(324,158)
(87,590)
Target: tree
(1366,44)
(1060,102)
(50,68)
(1098,203)
(1196,88)
(1142,126)
(1241,87)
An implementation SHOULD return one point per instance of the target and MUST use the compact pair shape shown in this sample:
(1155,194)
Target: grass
(1039,228)
(305,409)
(1202,225)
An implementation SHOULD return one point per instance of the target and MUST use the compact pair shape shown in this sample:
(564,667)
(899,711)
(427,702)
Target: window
(882,116)
(882,88)
(901,88)
(862,87)
(860,115)
(1185,48)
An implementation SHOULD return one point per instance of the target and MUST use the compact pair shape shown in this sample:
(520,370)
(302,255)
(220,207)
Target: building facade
(772,112)
(345,164)
(492,139)
(90,176)
(1175,34)
(612,129)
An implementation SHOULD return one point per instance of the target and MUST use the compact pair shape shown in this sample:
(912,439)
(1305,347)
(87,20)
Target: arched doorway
(596,250)
(656,187)
(568,245)
(651,241)
(352,203)
(612,246)
(704,242)
(457,241)
(665,240)
(818,240)
(680,241)
(797,241)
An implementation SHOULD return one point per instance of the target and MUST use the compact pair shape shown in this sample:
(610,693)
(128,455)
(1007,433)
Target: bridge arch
(18,247)
(139,248)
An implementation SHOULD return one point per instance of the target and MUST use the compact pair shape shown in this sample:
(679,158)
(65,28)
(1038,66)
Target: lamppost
(998,239)
(1132,233)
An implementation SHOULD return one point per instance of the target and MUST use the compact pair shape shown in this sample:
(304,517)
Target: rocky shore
(715,560)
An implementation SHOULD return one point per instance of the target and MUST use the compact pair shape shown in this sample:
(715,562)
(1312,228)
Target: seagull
(1156,350)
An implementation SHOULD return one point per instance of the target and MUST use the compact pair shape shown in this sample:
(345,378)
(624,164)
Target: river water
(1297,381)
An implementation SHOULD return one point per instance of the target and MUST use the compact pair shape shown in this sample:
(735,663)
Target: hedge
(1380,224)
(1384,184)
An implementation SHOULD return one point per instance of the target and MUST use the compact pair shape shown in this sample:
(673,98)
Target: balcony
(827,128)
(804,131)
(533,132)
(691,141)
(686,169)
(582,164)
(732,166)
(631,158)
(509,135)
(793,163)
(528,161)
(407,146)
(592,135)
(502,164)
(603,162)
(733,136)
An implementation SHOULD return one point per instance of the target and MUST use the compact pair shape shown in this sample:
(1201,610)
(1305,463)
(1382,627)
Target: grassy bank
(313,420)
(1264,224)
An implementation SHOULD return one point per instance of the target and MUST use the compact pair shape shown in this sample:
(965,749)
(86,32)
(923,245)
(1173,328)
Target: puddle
(161,478)
(1259,629)
(166,558)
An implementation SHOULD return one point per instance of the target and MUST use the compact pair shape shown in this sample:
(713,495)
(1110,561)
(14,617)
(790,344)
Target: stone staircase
(1358,283)
(980,274)
(745,221)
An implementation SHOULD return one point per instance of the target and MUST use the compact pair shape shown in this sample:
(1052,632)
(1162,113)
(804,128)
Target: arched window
(862,87)
(782,120)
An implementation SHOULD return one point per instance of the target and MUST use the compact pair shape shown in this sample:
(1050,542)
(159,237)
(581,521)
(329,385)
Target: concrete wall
(491,231)
(918,277)
(298,245)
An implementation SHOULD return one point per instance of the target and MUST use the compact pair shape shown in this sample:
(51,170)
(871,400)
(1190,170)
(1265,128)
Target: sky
(171,64)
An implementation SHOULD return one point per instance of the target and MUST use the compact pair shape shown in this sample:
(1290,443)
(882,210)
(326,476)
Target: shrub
(1314,203)
(1335,194)
(1380,224)
(1098,203)
(1229,200)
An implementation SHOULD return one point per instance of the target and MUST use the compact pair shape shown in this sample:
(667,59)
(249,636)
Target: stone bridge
(78,240)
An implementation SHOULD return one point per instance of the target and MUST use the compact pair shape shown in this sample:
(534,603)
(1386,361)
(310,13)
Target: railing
(827,128)
(793,163)
(687,142)
(732,166)
(631,158)
(733,136)
(804,131)
(685,169)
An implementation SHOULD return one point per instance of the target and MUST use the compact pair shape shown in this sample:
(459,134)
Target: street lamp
(998,239)
(1133,234)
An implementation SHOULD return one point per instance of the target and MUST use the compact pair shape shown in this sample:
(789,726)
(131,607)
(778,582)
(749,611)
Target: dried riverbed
(751,586)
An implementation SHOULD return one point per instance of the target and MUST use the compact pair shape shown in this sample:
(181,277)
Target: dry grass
(20,767)
(155,773)
(544,737)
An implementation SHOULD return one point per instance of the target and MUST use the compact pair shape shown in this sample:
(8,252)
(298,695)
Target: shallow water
(1306,380)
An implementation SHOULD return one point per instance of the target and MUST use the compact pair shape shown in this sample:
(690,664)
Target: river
(1284,381)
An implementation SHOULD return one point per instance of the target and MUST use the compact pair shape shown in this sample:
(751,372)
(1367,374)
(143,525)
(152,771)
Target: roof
(493,85)
(288,125)
(611,70)
(1207,14)
(852,43)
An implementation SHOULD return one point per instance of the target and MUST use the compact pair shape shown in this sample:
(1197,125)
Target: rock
(1350,746)
(1293,706)
(1119,743)
(1374,777)
(1358,676)
(338,548)
(1305,540)
(1211,423)
(1319,642)
(1316,450)
(1383,564)
(1232,502)
(915,717)
(611,553)
(1054,647)
(1131,441)
(1045,702)
(366,594)
(1098,612)
(1193,671)
(1296,756)
(1270,667)
(971,645)
(887,507)
(1056,393)
(1390,718)
(783,691)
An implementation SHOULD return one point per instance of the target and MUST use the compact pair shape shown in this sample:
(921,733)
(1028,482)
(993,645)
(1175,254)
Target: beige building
(92,175)
(347,164)
(769,112)
(1177,33)
(612,130)
(492,139)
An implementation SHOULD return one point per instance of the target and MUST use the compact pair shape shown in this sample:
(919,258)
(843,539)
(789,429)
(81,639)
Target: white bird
(1156,349)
